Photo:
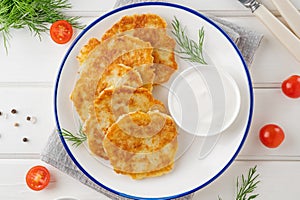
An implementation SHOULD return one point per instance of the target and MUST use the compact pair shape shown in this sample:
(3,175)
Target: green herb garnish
(34,15)
(77,139)
(189,49)
(247,186)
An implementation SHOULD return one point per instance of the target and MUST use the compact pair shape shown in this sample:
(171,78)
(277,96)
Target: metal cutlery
(290,13)
(283,33)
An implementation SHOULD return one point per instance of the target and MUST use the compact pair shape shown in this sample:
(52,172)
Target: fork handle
(283,34)
(290,14)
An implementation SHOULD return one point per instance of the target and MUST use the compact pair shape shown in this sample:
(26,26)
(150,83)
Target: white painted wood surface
(27,74)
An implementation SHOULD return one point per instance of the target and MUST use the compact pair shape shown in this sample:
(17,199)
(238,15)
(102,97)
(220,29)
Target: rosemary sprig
(248,185)
(189,49)
(77,139)
(35,15)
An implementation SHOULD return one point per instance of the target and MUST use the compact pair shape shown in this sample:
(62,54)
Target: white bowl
(204,100)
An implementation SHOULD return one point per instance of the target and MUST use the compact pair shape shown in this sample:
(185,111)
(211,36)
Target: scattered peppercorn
(13,111)
(25,139)
(0,113)
(16,124)
(28,118)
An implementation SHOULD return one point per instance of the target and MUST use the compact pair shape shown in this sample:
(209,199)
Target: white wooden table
(27,75)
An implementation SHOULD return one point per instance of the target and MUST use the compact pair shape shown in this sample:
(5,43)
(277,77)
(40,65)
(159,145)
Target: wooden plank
(272,106)
(13,185)
(278,181)
(272,62)
(92,5)
(30,59)
(273,175)
(28,101)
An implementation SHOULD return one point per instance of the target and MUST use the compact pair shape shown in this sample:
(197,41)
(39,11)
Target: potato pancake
(150,28)
(139,154)
(122,50)
(112,103)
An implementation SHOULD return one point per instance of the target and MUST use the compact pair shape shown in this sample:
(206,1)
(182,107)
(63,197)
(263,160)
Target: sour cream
(204,100)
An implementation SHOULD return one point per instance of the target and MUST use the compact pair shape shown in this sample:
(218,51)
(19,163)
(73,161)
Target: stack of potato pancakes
(113,96)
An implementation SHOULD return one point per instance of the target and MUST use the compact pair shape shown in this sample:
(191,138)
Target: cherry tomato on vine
(291,86)
(61,31)
(37,178)
(271,135)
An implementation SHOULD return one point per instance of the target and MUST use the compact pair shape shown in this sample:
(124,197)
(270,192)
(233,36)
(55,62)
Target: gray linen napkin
(55,154)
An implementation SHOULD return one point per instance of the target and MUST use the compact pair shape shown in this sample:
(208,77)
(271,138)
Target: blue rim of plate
(140,5)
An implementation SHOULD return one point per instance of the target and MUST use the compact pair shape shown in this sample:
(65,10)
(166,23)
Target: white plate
(190,173)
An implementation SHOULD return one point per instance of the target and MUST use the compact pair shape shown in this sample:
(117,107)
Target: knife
(290,13)
(279,30)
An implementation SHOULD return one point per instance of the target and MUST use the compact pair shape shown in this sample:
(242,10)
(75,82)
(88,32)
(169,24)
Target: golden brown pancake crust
(141,156)
(112,103)
(150,28)
(122,50)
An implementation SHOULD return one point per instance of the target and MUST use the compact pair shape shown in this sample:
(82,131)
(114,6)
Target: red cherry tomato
(271,135)
(291,86)
(61,31)
(37,178)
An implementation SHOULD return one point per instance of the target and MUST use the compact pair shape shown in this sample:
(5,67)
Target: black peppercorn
(13,111)
(25,139)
